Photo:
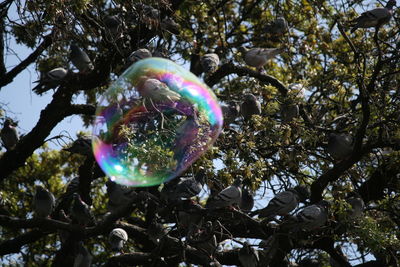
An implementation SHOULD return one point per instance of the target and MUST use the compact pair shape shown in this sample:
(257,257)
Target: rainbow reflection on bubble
(153,123)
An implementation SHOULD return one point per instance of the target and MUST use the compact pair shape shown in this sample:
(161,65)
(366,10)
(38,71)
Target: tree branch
(15,245)
(9,76)
(230,68)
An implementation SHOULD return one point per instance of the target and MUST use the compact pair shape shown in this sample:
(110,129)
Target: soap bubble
(153,123)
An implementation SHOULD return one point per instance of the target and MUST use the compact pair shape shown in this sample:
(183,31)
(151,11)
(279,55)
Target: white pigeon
(209,62)
(50,80)
(375,17)
(43,202)
(117,238)
(258,57)
(80,59)
(157,91)
(83,258)
(248,256)
(139,54)
(9,135)
(284,202)
(340,146)
(229,196)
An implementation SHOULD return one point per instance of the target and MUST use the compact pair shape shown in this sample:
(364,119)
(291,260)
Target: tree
(351,86)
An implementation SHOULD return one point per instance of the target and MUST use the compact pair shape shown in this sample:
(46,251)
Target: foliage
(351,84)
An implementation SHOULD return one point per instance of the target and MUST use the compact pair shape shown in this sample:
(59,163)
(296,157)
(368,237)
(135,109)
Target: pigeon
(118,195)
(82,146)
(80,211)
(9,135)
(247,202)
(189,187)
(285,202)
(250,106)
(289,111)
(229,196)
(157,91)
(83,257)
(375,17)
(308,219)
(340,146)
(113,25)
(168,24)
(139,54)
(156,231)
(204,239)
(258,57)
(64,235)
(117,238)
(80,59)
(230,111)
(356,203)
(190,216)
(43,202)
(248,256)
(50,80)
(278,27)
(209,62)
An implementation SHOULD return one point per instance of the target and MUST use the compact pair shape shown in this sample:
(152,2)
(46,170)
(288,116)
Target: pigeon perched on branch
(247,202)
(118,195)
(229,196)
(248,256)
(117,238)
(80,211)
(83,257)
(230,111)
(157,91)
(308,219)
(356,203)
(44,202)
(210,62)
(340,146)
(250,106)
(283,203)
(375,17)
(80,59)
(277,27)
(50,80)
(258,57)
(139,54)
(82,146)
(9,135)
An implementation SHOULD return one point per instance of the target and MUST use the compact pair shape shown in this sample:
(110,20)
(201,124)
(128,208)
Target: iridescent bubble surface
(153,123)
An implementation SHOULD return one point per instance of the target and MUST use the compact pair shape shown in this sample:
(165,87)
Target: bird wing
(282,203)
(376,14)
